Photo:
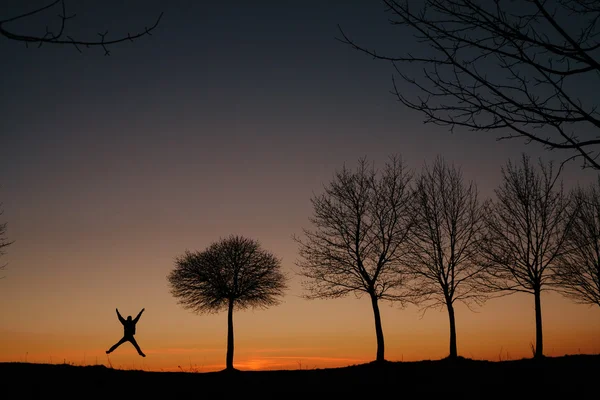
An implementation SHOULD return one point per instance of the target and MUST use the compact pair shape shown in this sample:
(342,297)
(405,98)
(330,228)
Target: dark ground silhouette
(568,377)
(128,332)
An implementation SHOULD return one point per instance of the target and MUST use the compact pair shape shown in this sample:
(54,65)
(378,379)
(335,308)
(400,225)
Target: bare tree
(360,227)
(60,37)
(234,272)
(4,242)
(447,226)
(516,68)
(578,269)
(527,226)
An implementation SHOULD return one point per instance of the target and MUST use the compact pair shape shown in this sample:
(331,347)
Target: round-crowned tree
(235,272)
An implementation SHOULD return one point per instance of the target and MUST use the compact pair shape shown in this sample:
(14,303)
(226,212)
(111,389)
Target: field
(570,376)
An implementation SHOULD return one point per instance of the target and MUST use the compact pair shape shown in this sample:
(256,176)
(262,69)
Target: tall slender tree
(526,229)
(447,226)
(361,225)
(4,242)
(577,271)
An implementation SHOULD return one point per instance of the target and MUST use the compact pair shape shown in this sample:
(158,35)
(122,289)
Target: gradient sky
(225,121)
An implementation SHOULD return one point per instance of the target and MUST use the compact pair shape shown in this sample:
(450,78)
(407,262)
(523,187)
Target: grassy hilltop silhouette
(568,375)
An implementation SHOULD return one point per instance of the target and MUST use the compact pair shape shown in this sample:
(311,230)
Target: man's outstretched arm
(138,316)
(120,317)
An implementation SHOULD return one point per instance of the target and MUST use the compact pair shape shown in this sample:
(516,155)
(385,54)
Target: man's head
(129,318)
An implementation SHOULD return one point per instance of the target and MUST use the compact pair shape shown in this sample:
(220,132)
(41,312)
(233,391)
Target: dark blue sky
(230,110)
(217,81)
(239,104)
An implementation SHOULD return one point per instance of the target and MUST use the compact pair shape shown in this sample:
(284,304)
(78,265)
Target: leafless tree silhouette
(578,268)
(61,37)
(447,226)
(4,242)
(527,226)
(234,272)
(360,229)
(515,68)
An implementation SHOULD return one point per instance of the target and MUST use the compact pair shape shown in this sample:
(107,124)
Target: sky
(225,121)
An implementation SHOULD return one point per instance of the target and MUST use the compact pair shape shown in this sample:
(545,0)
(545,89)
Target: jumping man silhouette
(128,332)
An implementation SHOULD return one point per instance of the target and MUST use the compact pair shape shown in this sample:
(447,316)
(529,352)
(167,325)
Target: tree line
(517,69)
(425,239)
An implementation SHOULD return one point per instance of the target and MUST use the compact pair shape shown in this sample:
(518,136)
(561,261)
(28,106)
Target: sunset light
(258,188)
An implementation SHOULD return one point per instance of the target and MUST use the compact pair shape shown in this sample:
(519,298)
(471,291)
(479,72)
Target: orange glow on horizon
(131,361)
(114,168)
(328,336)
(261,359)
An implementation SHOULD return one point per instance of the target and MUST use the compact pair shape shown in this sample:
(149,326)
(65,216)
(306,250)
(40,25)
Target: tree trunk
(453,350)
(229,361)
(378,329)
(539,342)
